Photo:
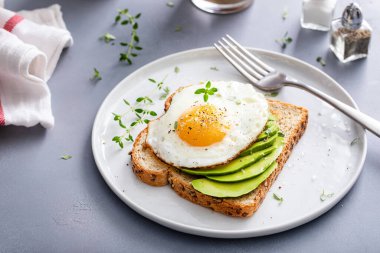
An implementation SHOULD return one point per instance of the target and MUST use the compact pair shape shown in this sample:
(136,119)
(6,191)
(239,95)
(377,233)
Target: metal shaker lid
(352,17)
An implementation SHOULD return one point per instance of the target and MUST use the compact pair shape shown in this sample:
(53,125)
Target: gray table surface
(52,205)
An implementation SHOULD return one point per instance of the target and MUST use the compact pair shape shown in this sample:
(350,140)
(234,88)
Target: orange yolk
(202,126)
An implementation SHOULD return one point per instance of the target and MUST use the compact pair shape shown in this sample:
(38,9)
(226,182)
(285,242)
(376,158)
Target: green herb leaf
(152,113)
(96,75)
(200,91)
(176,70)
(165,94)
(321,61)
(175,125)
(108,37)
(325,196)
(208,90)
(281,134)
(126,102)
(152,80)
(66,157)
(278,198)
(284,41)
(178,28)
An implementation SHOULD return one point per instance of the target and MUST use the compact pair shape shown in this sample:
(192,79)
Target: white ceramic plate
(324,159)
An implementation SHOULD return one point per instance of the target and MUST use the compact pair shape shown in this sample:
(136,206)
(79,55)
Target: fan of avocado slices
(245,173)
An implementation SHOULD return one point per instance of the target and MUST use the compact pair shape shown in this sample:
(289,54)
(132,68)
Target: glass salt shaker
(317,14)
(350,35)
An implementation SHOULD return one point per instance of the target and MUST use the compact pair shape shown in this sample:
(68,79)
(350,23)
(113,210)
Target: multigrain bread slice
(145,163)
(292,121)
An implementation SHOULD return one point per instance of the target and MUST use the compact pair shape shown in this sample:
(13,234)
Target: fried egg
(195,133)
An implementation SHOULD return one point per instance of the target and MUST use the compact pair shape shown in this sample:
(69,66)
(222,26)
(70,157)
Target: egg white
(246,112)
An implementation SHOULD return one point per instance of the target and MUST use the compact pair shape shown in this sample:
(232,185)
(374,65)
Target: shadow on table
(17,135)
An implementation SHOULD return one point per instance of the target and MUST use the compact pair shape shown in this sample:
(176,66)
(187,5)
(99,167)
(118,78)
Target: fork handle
(366,121)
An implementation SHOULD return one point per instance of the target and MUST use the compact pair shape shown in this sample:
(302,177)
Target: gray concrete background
(51,205)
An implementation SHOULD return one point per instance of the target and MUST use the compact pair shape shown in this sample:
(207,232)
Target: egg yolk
(202,126)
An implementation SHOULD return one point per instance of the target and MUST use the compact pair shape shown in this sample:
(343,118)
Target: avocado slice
(270,131)
(254,169)
(234,165)
(260,145)
(235,189)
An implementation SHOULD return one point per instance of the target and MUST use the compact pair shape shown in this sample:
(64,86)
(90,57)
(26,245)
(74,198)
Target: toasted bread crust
(292,121)
(146,165)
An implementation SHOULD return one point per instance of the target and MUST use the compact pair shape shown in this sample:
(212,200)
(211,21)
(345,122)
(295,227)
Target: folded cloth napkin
(29,52)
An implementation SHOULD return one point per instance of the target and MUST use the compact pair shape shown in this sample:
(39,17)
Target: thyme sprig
(160,86)
(124,18)
(142,116)
(284,41)
(206,91)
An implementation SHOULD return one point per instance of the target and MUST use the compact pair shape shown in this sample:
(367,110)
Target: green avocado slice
(252,170)
(270,131)
(235,189)
(260,145)
(234,165)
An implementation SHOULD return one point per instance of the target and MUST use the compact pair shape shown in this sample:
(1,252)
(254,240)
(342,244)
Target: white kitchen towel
(29,53)
(51,16)
(24,95)
(48,39)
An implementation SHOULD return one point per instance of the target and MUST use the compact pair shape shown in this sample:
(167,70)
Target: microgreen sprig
(207,91)
(284,41)
(140,114)
(125,18)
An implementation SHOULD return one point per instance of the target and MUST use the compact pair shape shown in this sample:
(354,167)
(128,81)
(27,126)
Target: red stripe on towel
(12,22)
(2,117)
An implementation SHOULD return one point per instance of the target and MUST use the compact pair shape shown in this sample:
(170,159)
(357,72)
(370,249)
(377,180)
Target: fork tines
(245,62)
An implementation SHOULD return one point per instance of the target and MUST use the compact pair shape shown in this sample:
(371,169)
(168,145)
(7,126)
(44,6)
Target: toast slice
(292,121)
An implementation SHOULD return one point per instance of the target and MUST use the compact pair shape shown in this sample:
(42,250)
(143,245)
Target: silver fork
(266,78)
